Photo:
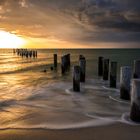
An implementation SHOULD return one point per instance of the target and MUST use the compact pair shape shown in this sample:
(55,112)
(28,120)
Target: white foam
(111,89)
(120,101)
(85,124)
(93,87)
(53,90)
(126,119)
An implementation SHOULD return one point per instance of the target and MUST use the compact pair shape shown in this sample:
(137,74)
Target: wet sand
(109,132)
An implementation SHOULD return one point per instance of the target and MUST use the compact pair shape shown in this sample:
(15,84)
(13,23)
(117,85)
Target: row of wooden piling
(26,53)
(108,71)
(104,67)
(65,65)
(79,71)
(127,91)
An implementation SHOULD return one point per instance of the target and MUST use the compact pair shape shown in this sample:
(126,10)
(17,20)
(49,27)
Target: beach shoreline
(116,131)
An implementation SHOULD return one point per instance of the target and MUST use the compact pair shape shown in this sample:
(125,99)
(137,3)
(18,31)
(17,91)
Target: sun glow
(8,40)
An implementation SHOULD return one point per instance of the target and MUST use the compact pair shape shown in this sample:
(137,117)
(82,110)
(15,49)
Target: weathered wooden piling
(55,60)
(52,68)
(82,63)
(113,74)
(69,62)
(135,101)
(125,79)
(34,55)
(106,69)
(63,64)
(14,51)
(81,56)
(136,69)
(76,78)
(21,53)
(100,66)
(27,54)
(18,51)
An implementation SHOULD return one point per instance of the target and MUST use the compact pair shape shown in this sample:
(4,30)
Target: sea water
(30,98)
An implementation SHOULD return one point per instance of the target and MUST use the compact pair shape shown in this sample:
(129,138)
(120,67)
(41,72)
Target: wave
(29,68)
(59,99)
(94,122)
(119,100)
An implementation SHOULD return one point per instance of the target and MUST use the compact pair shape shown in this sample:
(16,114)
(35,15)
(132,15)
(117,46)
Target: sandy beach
(109,132)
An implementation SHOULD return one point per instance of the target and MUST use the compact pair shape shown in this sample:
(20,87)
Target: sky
(73,23)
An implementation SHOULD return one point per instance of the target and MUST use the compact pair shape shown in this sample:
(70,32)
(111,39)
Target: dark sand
(110,132)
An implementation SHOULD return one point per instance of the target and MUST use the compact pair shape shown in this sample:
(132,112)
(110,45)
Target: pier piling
(125,78)
(76,78)
(55,61)
(100,66)
(82,63)
(136,69)
(113,74)
(135,101)
(65,63)
(106,69)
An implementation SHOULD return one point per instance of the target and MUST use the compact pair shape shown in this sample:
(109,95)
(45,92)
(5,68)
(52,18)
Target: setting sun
(9,40)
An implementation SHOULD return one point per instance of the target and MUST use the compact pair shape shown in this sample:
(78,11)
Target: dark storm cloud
(75,20)
(113,14)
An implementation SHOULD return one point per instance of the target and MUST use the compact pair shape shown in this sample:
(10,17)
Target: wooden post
(125,77)
(27,53)
(135,101)
(136,69)
(63,64)
(100,66)
(106,69)
(36,54)
(82,63)
(81,56)
(13,50)
(30,53)
(76,78)
(113,74)
(55,60)
(69,63)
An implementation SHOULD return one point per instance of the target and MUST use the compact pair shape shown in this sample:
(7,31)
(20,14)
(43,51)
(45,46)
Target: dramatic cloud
(84,21)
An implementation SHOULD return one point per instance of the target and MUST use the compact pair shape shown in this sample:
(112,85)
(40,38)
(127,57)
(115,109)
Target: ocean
(31,98)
